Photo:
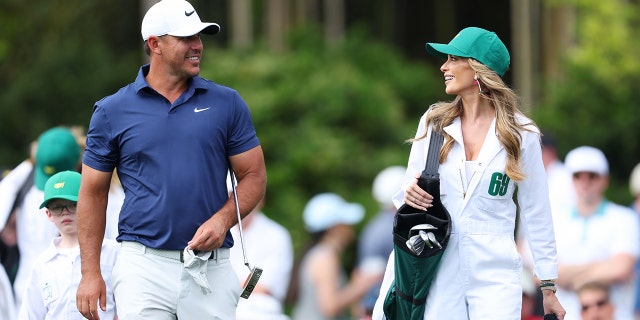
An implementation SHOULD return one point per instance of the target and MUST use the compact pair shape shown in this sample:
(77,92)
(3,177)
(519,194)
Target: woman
(490,148)
(322,290)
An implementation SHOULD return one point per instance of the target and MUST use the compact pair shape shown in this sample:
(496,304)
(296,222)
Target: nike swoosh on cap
(189,13)
(200,110)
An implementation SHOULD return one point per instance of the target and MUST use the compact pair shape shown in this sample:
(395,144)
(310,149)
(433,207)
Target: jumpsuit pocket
(495,208)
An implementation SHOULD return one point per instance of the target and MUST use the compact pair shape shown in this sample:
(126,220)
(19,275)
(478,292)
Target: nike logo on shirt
(199,110)
(189,13)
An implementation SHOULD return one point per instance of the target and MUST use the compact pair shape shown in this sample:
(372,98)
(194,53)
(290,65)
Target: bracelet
(548,285)
(549,288)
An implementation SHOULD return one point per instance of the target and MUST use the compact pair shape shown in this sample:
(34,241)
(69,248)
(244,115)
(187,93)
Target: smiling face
(458,76)
(63,214)
(180,55)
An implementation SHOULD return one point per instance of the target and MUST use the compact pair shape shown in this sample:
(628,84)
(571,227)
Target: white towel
(196,266)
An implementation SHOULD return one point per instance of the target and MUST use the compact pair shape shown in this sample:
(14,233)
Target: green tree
(56,60)
(595,102)
(329,118)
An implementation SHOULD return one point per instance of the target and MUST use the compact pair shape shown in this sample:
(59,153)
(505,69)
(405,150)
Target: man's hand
(209,236)
(91,290)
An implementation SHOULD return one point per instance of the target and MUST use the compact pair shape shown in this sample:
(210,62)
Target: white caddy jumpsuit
(479,274)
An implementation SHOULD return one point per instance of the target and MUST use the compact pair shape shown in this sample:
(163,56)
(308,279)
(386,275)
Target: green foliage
(329,119)
(596,102)
(53,68)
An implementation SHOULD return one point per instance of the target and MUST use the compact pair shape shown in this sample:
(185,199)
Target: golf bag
(420,238)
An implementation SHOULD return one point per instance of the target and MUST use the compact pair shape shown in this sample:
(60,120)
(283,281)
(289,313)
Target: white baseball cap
(175,18)
(587,159)
(634,180)
(326,210)
(387,183)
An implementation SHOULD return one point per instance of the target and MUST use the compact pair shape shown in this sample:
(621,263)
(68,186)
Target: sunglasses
(599,304)
(588,175)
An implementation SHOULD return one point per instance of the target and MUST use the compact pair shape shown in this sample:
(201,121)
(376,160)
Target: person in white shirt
(57,150)
(561,193)
(7,304)
(268,246)
(597,240)
(50,291)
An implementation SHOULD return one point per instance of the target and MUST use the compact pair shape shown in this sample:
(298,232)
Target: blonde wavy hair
(507,105)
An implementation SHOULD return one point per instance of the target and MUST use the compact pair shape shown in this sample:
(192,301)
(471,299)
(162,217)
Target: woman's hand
(551,304)
(416,197)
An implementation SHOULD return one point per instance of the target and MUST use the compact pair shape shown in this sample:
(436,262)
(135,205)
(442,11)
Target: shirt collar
(599,211)
(195,83)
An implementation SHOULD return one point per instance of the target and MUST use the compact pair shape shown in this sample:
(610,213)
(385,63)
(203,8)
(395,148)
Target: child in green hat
(53,282)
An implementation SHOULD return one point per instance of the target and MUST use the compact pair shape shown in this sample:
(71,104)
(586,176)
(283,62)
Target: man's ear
(154,44)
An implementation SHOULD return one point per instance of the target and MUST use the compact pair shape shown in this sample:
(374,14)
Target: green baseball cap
(62,185)
(57,151)
(476,43)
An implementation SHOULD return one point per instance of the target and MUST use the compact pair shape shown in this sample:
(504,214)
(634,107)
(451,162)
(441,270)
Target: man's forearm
(91,219)
(91,216)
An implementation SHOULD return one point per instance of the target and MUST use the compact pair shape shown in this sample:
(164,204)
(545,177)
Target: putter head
(250,282)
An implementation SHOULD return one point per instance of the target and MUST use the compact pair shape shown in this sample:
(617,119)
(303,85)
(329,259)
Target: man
(597,240)
(172,136)
(561,194)
(594,302)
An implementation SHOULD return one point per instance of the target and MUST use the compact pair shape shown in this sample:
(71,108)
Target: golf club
(417,242)
(255,272)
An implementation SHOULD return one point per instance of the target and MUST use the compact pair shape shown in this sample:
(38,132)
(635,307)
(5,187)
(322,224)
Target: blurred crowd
(25,230)
(598,241)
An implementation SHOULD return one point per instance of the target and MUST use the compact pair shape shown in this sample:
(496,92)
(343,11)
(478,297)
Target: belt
(220,253)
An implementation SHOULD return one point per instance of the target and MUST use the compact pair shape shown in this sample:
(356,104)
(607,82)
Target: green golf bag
(420,238)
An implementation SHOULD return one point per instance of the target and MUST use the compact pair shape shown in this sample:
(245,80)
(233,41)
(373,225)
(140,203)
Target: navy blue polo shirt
(172,159)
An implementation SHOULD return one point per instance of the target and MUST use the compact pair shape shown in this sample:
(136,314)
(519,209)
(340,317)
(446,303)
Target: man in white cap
(173,136)
(598,240)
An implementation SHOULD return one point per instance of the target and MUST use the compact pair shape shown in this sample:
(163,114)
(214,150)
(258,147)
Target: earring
(475,81)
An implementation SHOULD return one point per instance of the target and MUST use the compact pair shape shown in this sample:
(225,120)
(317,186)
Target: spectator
(268,245)
(322,288)
(7,303)
(50,292)
(634,186)
(598,239)
(56,151)
(594,302)
(376,240)
(561,193)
